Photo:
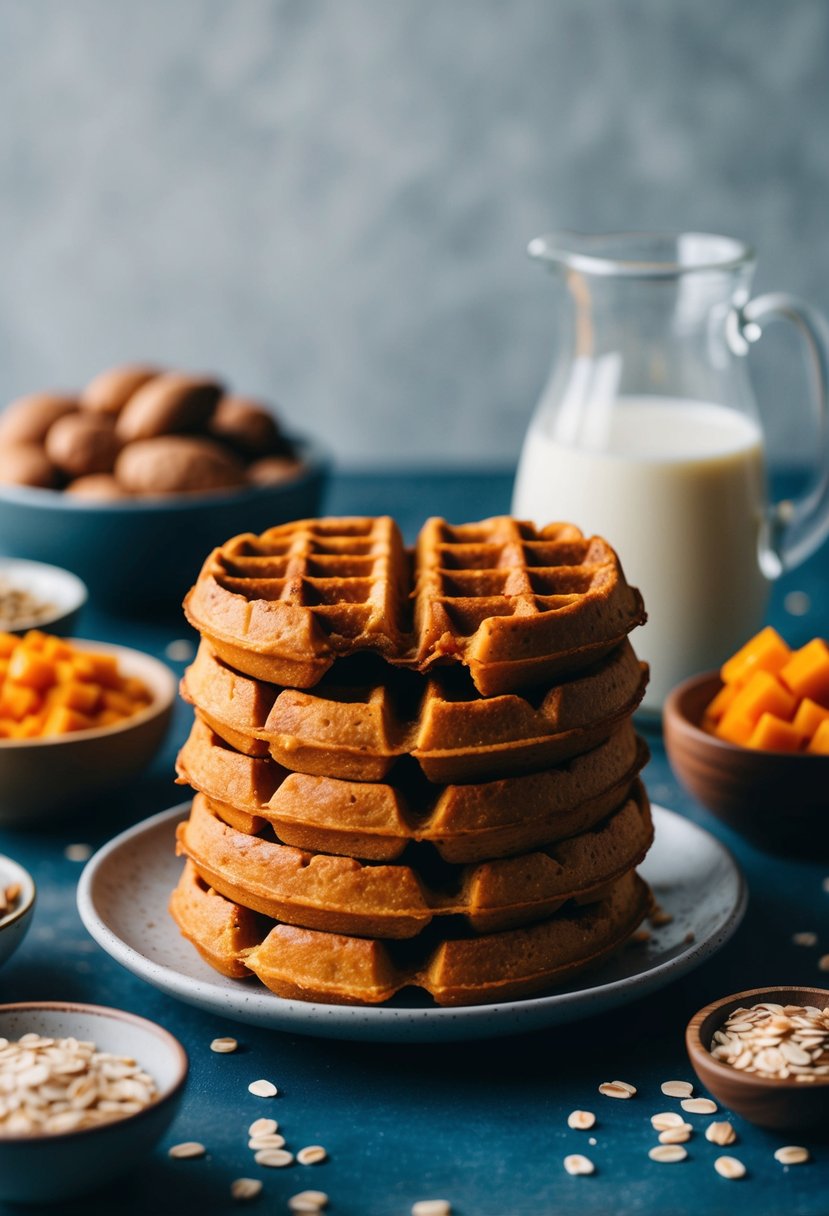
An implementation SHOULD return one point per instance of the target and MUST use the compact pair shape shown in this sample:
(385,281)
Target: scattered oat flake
(730,1167)
(805,939)
(312,1154)
(263,1089)
(676,1135)
(576,1163)
(189,1148)
(266,1140)
(617,1089)
(432,1207)
(792,1154)
(245,1188)
(308,1201)
(274,1157)
(180,651)
(677,1089)
(224,1045)
(823,962)
(263,1127)
(665,1119)
(581,1120)
(668,1154)
(721,1133)
(699,1106)
(78,852)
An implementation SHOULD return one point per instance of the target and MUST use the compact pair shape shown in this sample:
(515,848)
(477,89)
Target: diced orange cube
(108,717)
(775,735)
(819,742)
(34,640)
(807,671)
(29,668)
(8,644)
(17,700)
(117,701)
(766,651)
(78,695)
(734,727)
(720,703)
(56,648)
(809,717)
(763,693)
(60,720)
(104,668)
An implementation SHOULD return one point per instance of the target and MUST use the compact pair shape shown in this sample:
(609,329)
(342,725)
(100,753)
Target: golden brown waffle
(515,605)
(376,822)
(343,895)
(358,720)
(310,965)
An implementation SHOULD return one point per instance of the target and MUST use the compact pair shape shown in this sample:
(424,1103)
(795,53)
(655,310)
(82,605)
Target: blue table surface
(483,1124)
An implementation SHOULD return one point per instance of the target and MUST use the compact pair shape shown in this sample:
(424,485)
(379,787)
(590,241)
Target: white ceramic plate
(125,887)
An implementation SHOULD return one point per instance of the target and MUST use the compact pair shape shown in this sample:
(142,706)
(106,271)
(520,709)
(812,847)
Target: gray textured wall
(329,201)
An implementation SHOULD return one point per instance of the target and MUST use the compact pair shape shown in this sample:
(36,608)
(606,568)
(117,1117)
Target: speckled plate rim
(153,838)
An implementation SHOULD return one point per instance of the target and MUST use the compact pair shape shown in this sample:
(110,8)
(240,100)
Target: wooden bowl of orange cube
(77,718)
(751,743)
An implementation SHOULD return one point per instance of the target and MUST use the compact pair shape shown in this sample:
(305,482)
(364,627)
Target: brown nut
(246,426)
(110,391)
(26,464)
(168,404)
(82,443)
(100,487)
(172,464)
(27,419)
(273,469)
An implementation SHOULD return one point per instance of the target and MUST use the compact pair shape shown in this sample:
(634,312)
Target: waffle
(343,895)
(377,822)
(358,720)
(515,605)
(310,965)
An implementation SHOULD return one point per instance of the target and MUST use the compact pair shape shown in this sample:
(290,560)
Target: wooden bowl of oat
(764,1054)
(93,1090)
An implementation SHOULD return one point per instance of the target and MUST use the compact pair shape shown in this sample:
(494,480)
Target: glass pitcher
(648,433)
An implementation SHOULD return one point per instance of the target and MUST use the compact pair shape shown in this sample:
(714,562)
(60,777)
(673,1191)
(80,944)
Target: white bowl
(64,591)
(58,1166)
(46,778)
(15,924)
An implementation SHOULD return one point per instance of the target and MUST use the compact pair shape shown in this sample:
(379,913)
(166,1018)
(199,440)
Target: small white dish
(50,585)
(125,888)
(44,779)
(52,1167)
(15,924)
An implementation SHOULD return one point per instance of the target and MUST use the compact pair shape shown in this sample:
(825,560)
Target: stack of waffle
(412,768)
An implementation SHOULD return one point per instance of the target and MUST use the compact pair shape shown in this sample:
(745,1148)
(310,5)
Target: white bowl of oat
(85,1094)
(34,595)
(17,903)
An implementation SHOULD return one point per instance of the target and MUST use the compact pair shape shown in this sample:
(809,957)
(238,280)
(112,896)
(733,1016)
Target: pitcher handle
(793,528)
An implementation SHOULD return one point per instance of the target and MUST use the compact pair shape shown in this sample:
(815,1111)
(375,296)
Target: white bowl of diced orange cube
(751,742)
(76,718)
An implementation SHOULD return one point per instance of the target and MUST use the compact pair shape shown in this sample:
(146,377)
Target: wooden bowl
(766,1101)
(777,800)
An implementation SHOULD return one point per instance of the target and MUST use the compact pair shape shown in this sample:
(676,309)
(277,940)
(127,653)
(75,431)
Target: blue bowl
(146,552)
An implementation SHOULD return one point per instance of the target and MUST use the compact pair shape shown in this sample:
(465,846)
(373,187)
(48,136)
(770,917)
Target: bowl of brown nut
(87,1092)
(130,481)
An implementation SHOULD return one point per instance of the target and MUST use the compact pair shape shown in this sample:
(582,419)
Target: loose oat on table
(677,1089)
(267,1140)
(617,1089)
(78,852)
(312,1154)
(676,1135)
(823,962)
(188,1148)
(263,1089)
(275,1158)
(581,1120)
(224,1046)
(59,1085)
(666,1118)
(245,1188)
(792,1154)
(308,1201)
(668,1154)
(576,1163)
(730,1167)
(804,939)
(721,1133)
(263,1127)
(699,1106)
(432,1207)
